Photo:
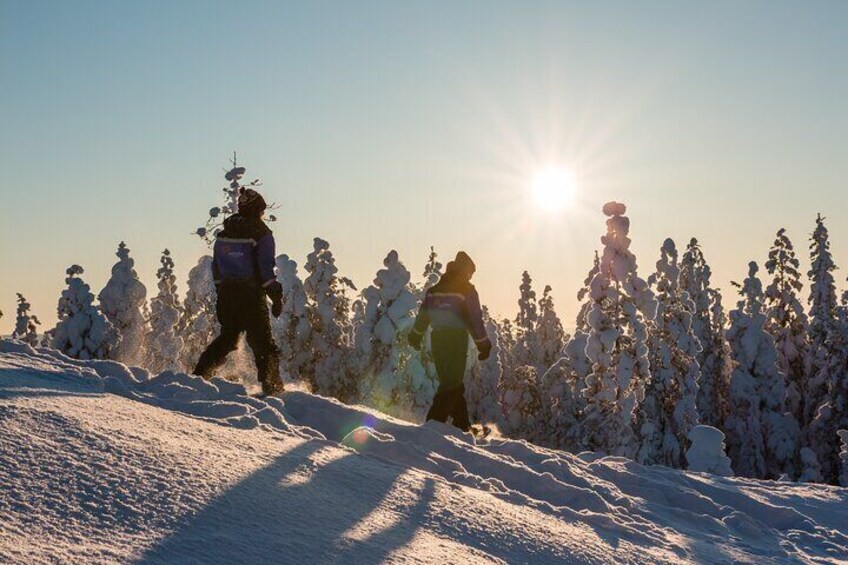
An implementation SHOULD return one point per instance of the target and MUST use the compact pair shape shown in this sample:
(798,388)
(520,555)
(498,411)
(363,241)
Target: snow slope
(103,464)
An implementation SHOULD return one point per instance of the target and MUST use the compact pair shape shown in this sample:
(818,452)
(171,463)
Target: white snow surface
(102,464)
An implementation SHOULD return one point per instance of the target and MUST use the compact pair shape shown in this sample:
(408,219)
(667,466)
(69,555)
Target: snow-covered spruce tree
(787,321)
(163,343)
(121,301)
(669,410)
(506,339)
(810,468)
(707,452)
(82,332)
(381,342)
(565,381)
(481,382)
(549,332)
(217,214)
(527,347)
(199,323)
(330,371)
(432,273)
(522,414)
(762,437)
(26,324)
(826,393)
(708,325)
(292,329)
(622,304)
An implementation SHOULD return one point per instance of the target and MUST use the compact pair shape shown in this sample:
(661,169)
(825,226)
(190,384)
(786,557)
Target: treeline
(650,358)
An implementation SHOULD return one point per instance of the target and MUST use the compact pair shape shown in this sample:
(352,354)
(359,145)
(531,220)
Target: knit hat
(464,263)
(250,202)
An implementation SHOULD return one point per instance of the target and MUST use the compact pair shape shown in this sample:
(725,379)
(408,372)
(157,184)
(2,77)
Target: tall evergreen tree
(292,330)
(622,304)
(826,395)
(331,371)
(121,301)
(708,325)
(164,344)
(669,411)
(199,324)
(787,321)
(526,350)
(762,437)
(549,332)
(381,341)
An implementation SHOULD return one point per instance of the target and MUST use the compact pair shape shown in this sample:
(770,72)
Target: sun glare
(553,188)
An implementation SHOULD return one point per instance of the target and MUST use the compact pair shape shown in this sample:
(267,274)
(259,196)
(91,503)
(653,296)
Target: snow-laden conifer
(787,321)
(522,415)
(565,381)
(26,324)
(292,329)
(706,453)
(121,301)
(382,344)
(826,395)
(708,325)
(330,371)
(164,344)
(617,343)
(432,272)
(762,437)
(82,332)
(549,332)
(527,347)
(669,410)
(199,324)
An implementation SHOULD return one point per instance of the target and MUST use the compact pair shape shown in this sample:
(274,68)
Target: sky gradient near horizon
(380,125)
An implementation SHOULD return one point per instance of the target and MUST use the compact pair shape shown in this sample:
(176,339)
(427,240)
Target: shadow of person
(294,510)
(376,547)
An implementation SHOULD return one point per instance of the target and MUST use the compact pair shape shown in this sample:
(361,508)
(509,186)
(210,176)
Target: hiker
(243,269)
(452,307)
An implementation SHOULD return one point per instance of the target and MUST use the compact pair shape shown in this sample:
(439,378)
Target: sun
(553,188)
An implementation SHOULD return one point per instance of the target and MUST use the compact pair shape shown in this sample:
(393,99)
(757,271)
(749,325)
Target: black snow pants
(242,307)
(450,352)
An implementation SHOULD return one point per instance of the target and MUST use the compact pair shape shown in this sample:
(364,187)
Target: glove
(275,293)
(485,350)
(415,340)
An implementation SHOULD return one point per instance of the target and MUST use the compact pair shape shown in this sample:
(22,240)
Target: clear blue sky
(380,125)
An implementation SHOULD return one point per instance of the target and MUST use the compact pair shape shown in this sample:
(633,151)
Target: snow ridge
(128,462)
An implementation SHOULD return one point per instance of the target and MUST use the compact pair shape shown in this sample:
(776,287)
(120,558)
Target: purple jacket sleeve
(216,271)
(475,319)
(265,251)
(423,318)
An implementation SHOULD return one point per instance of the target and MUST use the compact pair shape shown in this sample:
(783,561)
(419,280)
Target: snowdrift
(101,463)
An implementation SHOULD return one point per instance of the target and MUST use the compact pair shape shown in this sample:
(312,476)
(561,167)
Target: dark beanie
(464,263)
(250,202)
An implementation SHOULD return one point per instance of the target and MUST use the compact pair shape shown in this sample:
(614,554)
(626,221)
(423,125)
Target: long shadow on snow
(291,511)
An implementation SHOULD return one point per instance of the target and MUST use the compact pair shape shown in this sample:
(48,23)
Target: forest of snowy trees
(658,368)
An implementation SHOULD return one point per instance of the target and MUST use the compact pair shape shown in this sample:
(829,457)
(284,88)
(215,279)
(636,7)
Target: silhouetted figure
(243,268)
(452,308)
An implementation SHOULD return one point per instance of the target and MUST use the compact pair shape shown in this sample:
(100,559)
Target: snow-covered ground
(103,464)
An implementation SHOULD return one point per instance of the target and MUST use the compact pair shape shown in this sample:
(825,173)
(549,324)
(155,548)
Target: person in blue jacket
(452,308)
(243,268)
